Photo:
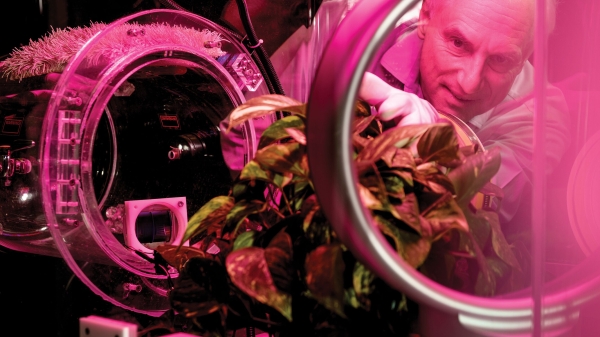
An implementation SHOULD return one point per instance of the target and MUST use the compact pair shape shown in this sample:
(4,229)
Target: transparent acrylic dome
(559,209)
(134,115)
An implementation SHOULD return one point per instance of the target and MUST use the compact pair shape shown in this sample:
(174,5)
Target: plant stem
(438,202)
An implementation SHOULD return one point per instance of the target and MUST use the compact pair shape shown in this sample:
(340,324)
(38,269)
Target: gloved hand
(393,104)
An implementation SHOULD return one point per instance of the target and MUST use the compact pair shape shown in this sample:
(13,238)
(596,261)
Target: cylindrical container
(94,126)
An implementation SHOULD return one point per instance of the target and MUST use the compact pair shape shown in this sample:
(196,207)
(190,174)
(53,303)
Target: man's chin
(462,110)
(453,112)
(462,114)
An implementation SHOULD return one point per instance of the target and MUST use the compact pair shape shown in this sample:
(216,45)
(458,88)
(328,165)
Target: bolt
(71,222)
(73,101)
(174,154)
(180,204)
(132,287)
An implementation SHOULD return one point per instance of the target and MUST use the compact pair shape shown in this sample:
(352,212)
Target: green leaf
(309,205)
(240,211)
(444,216)
(262,106)
(501,247)
(368,199)
(408,212)
(394,186)
(437,182)
(240,189)
(438,143)
(210,218)
(362,108)
(399,158)
(324,269)
(413,248)
(359,143)
(177,256)
(280,158)
(277,131)
(374,150)
(479,227)
(362,282)
(278,255)
(301,190)
(477,170)
(361,124)
(253,171)
(249,271)
(282,179)
(244,240)
(405,175)
(351,299)
(486,282)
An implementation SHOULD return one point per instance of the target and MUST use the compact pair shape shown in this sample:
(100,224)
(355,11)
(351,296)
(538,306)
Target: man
(469,58)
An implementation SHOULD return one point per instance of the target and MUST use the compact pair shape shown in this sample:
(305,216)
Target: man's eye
(499,59)
(457,43)
(502,63)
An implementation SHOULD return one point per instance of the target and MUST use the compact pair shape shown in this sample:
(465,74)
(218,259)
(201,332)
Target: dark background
(39,295)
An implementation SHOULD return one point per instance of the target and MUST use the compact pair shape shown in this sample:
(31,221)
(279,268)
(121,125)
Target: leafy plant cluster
(266,256)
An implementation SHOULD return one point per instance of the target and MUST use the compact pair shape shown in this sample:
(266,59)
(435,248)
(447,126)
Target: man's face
(472,52)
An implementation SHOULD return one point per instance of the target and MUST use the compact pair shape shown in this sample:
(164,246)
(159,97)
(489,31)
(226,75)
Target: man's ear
(424,17)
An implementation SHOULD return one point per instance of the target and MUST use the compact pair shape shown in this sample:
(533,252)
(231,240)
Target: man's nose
(470,77)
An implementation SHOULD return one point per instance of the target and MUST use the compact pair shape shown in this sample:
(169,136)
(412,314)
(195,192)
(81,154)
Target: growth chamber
(111,135)
(554,234)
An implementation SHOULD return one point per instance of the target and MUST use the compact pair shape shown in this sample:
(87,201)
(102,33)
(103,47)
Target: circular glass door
(557,284)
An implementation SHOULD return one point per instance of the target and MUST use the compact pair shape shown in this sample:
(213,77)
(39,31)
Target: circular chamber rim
(48,130)
(580,196)
(330,107)
(111,80)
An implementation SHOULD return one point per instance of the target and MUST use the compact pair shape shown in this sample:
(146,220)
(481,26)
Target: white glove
(392,103)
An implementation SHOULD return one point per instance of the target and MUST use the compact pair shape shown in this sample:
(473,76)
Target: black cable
(254,44)
(172,5)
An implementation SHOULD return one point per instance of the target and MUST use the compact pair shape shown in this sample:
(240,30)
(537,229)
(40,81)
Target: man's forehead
(531,3)
(514,18)
(522,6)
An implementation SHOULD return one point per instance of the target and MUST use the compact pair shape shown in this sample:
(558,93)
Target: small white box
(96,326)
(133,208)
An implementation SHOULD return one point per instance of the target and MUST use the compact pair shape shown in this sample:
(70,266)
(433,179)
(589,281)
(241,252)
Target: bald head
(435,5)
(472,52)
